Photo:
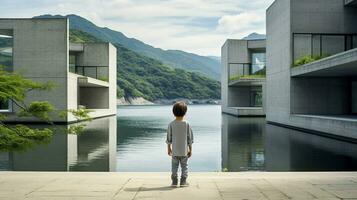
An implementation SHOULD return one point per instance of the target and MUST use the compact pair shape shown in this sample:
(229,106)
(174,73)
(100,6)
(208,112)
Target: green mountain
(141,76)
(174,58)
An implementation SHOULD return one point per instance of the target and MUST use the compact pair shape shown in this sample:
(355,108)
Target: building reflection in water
(242,143)
(252,144)
(292,150)
(92,150)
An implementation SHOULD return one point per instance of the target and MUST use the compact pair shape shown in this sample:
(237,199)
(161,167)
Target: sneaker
(183,182)
(174,182)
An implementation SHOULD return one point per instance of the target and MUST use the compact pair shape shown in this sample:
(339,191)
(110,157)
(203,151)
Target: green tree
(14,88)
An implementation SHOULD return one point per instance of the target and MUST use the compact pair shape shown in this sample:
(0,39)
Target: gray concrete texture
(288,96)
(235,53)
(41,53)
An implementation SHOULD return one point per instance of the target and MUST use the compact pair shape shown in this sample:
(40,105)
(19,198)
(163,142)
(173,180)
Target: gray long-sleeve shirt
(179,134)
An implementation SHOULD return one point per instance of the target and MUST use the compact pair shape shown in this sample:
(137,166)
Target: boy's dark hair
(179,109)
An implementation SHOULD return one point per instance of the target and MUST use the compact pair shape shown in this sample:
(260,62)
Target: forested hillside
(141,76)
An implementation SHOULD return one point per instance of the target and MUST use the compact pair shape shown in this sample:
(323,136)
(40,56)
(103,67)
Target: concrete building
(243,77)
(320,96)
(84,74)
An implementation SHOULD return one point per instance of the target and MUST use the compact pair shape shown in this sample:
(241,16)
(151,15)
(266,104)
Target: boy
(179,143)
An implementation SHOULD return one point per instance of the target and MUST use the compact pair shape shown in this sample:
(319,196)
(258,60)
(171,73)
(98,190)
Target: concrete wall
(40,53)
(322,16)
(329,95)
(288,96)
(94,97)
(322,96)
(232,53)
(94,54)
(224,75)
(101,101)
(239,96)
(278,61)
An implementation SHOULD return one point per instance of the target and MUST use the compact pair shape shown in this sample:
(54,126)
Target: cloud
(242,22)
(198,26)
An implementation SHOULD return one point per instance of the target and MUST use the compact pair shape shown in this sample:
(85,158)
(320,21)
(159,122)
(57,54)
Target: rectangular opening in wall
(256,98)
(72,62)
(6,49)
(5,106)
(258,63)
(94,97)
(322,96)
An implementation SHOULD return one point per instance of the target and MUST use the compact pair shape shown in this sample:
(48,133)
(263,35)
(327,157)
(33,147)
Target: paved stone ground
(205,186)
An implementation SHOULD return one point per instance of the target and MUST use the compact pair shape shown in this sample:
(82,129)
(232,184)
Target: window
(316,45)
(256,99)
(332,44)
(72,63)
(322,44)
(90,71)
(237,70)
(5,106)
(258,63)
(302,45)
(103,73)
(6,47)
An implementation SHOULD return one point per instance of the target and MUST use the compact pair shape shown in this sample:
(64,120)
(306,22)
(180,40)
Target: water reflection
(92,150)
(221,142)
(242,143)
(251,144)
(142,135)
(291,150)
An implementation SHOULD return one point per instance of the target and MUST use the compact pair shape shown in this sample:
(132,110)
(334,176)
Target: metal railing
(97,72)
(239,71)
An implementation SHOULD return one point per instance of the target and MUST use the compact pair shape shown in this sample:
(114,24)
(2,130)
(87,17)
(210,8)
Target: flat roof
(342,64)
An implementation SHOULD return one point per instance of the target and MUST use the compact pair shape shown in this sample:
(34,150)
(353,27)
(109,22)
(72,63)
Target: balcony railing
(97,72)
(238,71)
(308,47)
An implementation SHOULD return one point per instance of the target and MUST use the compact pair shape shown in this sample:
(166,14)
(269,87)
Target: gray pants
(176,161)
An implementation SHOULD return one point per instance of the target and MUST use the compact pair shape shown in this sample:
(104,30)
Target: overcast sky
(197,26)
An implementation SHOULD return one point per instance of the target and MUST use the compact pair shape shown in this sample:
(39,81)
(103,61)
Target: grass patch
(303,60)
(252,76)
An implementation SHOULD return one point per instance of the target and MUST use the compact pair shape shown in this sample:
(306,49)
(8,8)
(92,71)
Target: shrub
(308,59)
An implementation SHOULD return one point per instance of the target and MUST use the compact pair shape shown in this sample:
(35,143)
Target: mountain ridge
(176,58)
(139,76)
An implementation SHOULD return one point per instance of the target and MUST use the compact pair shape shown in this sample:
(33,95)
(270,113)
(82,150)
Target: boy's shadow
(143,189)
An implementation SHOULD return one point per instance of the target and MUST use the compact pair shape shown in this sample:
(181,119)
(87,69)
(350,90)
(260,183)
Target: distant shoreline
(140,101)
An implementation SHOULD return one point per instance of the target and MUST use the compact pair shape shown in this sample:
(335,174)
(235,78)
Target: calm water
(135,141)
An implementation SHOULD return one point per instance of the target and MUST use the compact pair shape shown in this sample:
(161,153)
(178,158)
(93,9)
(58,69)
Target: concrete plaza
(227,186)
